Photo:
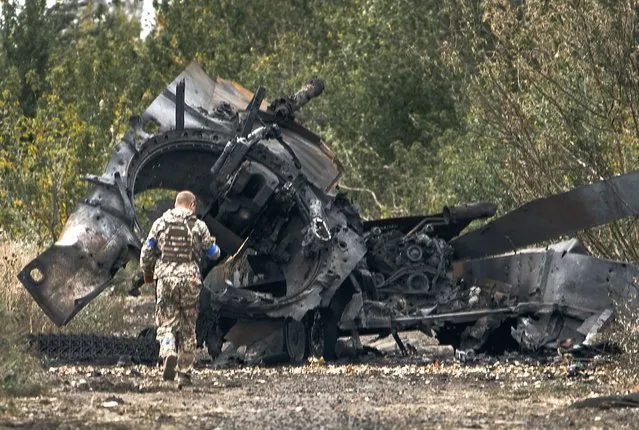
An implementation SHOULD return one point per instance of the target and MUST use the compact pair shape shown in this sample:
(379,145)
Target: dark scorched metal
(302,268)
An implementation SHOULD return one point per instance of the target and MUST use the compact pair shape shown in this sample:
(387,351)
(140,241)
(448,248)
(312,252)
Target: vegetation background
(428,102)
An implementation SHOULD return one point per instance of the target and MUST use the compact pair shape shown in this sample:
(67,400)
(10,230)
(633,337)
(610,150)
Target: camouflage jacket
(159,258)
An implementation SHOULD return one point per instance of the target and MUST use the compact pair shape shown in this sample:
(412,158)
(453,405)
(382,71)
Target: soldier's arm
(208,242)
(150,252)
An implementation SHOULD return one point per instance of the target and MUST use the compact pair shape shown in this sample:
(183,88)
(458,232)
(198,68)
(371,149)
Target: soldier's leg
(189,298)
(167,317)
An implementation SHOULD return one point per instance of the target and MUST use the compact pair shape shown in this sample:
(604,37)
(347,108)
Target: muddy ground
(391,392)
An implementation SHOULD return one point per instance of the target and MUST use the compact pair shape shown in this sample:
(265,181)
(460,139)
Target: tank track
(94,349)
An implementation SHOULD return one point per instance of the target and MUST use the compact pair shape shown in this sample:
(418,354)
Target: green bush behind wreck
(494,101)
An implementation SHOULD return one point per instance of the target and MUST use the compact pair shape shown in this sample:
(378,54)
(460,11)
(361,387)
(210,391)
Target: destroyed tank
(301,267)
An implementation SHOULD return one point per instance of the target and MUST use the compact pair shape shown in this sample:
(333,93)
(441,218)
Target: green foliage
(26,40)
(151,204)
(555,85)
(427,102)
(49,144)
(89,81)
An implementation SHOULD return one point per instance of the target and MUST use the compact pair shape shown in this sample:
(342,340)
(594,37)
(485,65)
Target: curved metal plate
(554,216)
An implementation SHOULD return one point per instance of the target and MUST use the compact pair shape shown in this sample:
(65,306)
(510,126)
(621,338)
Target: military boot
(170,363)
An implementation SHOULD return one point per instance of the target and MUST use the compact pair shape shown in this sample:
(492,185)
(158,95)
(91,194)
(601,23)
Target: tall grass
(624,332)
(20,315)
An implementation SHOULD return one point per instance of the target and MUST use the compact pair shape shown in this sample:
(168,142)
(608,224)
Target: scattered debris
(402,391)
(112,402)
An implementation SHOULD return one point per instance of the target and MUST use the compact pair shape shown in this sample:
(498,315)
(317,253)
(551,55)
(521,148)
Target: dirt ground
(391,392)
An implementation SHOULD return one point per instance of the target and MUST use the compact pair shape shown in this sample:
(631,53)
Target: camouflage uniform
(172,252)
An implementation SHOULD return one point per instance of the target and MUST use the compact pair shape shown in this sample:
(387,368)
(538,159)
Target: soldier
(170,257)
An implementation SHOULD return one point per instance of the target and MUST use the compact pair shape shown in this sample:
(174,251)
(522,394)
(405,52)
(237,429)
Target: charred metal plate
(577,281)
(65,277)
(97,239)
(554,216)
(445,225)
(203,95)
(101,234)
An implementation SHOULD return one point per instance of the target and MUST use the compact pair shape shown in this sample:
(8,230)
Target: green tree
(389,97)
(394,112)
(89,80)
(43,168)
(555,84)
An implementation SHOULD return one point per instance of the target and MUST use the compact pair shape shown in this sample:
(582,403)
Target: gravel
(396,392)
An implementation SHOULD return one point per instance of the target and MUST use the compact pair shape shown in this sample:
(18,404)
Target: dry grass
(624,332)
(20,315)
(14,299)
(19,371)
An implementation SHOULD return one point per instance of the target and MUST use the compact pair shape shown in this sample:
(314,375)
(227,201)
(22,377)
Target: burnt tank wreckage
(302,266)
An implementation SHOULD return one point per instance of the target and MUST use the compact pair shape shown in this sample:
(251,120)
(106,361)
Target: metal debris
(87,348)
(302,268)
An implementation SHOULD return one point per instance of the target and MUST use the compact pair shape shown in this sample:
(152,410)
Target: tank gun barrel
(285,107)
(313,88)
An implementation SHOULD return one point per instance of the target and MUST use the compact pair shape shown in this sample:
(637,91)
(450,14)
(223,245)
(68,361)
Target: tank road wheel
(295,340)
(323,334)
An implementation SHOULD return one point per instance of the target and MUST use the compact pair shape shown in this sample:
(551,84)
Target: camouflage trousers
(175,315)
